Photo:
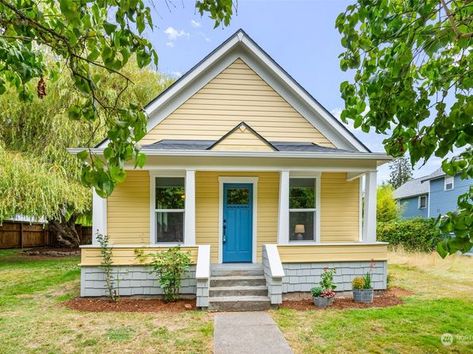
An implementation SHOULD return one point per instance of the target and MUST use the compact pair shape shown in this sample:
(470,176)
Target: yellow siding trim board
(90,256)
(333,253)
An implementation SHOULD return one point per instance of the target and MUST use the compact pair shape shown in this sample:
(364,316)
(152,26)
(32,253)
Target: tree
(38,177)
(401,172)
(387,208)
(414,77)
(86,35)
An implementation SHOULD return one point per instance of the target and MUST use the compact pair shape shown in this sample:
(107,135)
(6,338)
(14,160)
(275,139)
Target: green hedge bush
(413,235)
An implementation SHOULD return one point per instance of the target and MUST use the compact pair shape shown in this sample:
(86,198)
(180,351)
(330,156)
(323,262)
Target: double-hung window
(169,209)
(422,201)
(302,209)
(449,183)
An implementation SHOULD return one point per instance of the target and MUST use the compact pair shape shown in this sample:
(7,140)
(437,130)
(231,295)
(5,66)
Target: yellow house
(254,177)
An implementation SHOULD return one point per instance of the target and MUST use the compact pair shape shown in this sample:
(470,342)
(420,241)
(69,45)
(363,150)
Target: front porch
(290,218)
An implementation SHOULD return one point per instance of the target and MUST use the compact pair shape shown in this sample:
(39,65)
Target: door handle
(224,231)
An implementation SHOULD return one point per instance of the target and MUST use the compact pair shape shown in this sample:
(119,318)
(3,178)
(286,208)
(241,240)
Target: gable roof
(411,188)
(240,45)
(250,129)
(434,175)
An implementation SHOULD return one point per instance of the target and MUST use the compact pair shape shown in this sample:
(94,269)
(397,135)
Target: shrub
(387,208)
(358,283)
(413,235)
(169,267)
(107,266)
(316,291)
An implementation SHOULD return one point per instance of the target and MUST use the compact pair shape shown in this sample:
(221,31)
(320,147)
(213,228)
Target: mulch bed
(386,298)
(51,252)
(129,305)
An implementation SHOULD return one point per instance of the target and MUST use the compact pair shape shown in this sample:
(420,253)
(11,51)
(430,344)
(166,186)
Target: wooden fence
(17,234)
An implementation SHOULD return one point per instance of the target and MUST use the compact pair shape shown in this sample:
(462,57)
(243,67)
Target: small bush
(169,266)
(413,235)
(358,283)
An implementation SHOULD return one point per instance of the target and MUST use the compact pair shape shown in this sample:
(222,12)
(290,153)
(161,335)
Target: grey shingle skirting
(132,280)
(301,277)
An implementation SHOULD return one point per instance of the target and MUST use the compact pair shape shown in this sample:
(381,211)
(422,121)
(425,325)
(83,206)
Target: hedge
(413,235)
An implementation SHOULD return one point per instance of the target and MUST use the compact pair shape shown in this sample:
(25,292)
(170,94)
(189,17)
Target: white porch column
(189,205)
(283,223)
(369,224)
(99,216)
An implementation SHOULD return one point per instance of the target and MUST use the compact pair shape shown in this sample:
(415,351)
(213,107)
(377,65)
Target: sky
(300,35)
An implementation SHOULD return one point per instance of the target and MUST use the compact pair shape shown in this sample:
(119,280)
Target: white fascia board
(276,154)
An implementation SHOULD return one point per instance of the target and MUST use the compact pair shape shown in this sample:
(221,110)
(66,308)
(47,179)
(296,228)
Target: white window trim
(317,176)
(419,204)
(448,180)
(221,181)
(152,207)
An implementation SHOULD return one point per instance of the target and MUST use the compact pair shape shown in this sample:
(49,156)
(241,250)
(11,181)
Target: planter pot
(323,302)
(363,295)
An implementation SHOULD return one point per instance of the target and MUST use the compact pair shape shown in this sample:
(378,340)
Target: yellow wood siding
(242,141)
(340,206)
(333,253)
(128,210)
(127,255)
(207,208)
(236,94)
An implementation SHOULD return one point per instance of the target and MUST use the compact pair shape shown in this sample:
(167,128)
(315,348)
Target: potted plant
(324,293)
(362,289)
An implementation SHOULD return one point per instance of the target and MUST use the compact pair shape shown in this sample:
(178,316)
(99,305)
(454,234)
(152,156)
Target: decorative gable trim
(244,126)
(240,45)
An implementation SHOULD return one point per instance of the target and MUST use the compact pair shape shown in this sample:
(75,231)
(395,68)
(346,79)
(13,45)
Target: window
(302,209)
(449,183)
(169,208)
(422,201)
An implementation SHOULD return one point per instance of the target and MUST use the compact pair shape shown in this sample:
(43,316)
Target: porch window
(302,209)
(169,208)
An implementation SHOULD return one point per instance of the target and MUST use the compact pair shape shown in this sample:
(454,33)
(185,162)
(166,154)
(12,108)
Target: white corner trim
(189,206)
(202,270)
(369,226)
(99,216)
(283,215)
(360,208)
(228,179)
(274,260)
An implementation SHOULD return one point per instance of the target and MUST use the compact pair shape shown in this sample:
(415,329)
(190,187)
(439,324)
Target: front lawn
(34,320)
(442,302)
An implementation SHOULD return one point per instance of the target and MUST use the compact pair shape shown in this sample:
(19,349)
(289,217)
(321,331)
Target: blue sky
(299,35)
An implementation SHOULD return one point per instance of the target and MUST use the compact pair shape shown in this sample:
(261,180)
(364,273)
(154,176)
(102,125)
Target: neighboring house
(432,195)
(252,176)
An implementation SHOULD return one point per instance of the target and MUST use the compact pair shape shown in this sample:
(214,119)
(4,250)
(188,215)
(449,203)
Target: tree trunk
(65,232)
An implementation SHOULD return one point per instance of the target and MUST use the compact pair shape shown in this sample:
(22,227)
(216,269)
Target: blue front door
(237,222)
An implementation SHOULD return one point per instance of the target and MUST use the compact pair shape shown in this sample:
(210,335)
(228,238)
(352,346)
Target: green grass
(440,304)
(33,318)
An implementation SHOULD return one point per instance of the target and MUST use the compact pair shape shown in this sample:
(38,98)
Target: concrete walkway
(248,332)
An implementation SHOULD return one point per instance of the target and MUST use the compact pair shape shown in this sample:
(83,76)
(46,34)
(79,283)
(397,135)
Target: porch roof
(171,144)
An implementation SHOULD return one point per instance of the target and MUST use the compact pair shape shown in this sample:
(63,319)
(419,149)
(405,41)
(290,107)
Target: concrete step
(222,270)
(259,290)
(239,303)
(239,280)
